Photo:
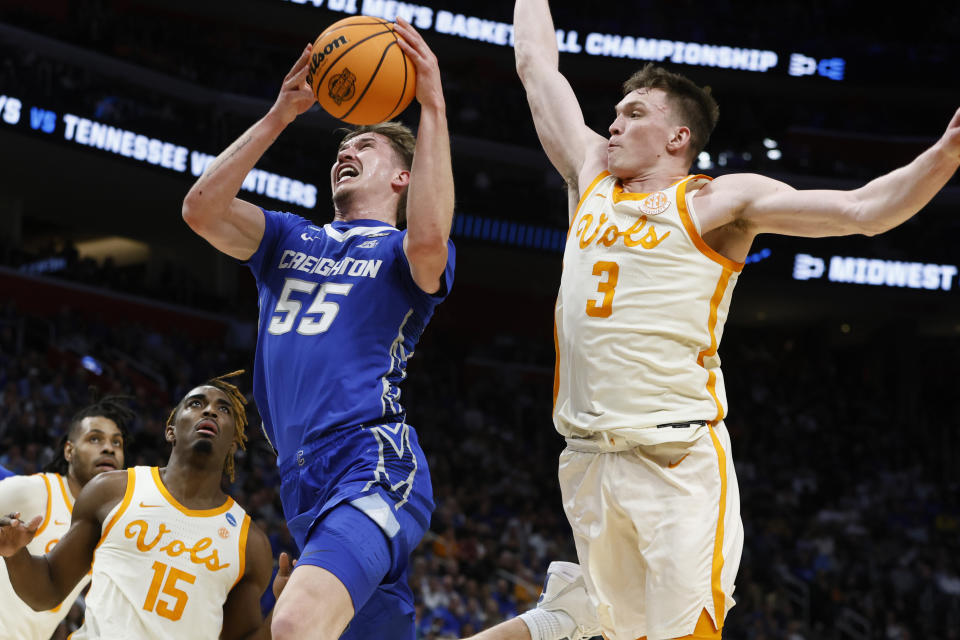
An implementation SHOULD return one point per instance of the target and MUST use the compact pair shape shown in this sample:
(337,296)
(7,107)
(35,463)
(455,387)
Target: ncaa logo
(231,520)
(655,203)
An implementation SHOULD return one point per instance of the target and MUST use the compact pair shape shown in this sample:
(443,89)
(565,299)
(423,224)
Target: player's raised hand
(951,137)
(429,88)
(283,573)
(296,96)
(15,534)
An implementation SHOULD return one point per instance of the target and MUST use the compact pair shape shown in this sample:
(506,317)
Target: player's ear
(680,139)
(401,180)
(68,451)
(169,434)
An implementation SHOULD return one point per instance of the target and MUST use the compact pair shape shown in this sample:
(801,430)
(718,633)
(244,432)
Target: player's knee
(282,627)
(285,626)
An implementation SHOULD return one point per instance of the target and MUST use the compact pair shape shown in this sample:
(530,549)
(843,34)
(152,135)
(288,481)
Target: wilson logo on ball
(316,60)
(342,86)
(358,72)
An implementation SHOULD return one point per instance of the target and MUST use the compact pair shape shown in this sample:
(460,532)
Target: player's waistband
(331,439)
(612,440)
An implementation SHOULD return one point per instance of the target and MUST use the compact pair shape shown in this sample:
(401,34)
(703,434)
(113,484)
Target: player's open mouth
(347,171)
(106,464)
(208,427)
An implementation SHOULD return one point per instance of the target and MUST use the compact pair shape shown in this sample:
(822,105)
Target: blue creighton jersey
(340,315)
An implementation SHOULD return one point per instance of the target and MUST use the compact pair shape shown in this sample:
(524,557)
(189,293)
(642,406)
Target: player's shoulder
(14,485)
(106,485)
(285,220)
(742,183)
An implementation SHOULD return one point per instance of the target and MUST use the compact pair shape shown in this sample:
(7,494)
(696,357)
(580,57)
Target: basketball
(358,72)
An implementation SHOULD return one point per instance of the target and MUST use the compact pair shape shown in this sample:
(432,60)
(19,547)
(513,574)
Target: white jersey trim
(340,236)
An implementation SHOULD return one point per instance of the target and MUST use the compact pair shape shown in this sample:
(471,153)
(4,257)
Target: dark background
(842,396)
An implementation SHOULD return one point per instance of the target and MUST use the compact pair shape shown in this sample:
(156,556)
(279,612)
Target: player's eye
(224,409)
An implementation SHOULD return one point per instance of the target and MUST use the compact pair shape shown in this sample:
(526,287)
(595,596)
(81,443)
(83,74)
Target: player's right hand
(296,96)
(283,573)
(15,534)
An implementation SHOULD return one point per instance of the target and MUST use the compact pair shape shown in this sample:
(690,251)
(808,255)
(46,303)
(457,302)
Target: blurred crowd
(844,458)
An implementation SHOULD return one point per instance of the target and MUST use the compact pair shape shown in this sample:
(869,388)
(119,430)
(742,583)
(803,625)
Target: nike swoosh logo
(150,506)
(672,465)
(310,553)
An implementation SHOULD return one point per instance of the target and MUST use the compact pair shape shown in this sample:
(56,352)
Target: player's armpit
(758,204)
(241,611)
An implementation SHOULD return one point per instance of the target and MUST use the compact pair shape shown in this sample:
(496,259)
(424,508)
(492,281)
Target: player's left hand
(15,534)
(951,137)
(429,88)
(283,573)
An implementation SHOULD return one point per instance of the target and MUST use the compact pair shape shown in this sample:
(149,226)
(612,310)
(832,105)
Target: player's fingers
(34,524)
(300,64)
(284,569)
(410,35)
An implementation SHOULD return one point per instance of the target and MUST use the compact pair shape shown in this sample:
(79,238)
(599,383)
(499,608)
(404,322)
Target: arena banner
(19,113)
(612,45)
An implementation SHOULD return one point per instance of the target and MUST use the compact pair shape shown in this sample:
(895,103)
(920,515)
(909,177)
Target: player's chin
(203,445)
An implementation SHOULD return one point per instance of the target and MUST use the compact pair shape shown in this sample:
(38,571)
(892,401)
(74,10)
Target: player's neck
(195,486)
(654,180)
(73,485)
(362,213)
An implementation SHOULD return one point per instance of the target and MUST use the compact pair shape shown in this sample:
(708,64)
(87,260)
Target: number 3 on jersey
(608,272)
(326,310)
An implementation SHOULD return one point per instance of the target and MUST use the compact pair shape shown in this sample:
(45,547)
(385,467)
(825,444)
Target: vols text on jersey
(587,232)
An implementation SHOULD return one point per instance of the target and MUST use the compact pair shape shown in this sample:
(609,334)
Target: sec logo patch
(655,203)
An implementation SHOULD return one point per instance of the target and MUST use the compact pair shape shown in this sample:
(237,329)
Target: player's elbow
(426,246)
(195,214)
(527,60)
(865,219)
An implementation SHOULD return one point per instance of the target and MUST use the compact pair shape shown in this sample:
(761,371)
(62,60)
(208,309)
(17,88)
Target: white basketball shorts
(658,533)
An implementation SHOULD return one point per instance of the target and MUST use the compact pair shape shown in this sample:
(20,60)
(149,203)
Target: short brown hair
(694,105)
(404,143)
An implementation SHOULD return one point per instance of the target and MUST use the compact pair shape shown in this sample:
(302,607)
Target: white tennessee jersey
(46,494)
(162,570)
(642,304)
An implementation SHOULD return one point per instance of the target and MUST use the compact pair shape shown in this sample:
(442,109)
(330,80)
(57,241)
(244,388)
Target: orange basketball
(359,73)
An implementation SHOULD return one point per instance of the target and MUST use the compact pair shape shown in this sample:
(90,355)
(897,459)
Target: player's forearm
(31,578)
(890,200)
(212,194)
(430,197)
(535,41)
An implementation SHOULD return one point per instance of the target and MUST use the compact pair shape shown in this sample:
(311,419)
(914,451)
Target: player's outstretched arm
(430,194)
(44,581)
(241,611)
(576,151)
(769,206)
(212,208)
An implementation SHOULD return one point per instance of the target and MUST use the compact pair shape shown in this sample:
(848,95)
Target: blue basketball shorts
(357,504)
